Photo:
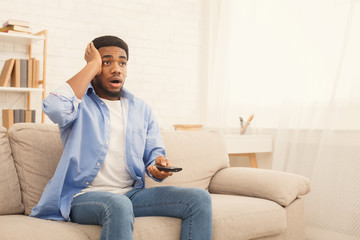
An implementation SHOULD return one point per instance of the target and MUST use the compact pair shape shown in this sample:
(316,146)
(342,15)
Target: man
(110,139)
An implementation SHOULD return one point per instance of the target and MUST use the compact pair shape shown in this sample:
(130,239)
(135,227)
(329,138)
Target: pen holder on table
(245,126)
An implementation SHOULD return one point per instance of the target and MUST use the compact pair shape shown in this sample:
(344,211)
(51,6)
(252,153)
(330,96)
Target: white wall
(166,40)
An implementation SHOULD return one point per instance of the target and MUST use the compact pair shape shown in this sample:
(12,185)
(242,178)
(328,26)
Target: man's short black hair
(111,41)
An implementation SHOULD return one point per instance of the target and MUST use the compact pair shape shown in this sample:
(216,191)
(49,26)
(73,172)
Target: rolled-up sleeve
(61,105)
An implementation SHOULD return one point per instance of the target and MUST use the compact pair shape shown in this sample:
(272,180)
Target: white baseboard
(320,234)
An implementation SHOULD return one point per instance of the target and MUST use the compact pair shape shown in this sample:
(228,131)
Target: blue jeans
(116,212)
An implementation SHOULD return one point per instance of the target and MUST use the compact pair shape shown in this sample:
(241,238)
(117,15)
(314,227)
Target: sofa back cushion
(37,149)
(200,153)
(10,195)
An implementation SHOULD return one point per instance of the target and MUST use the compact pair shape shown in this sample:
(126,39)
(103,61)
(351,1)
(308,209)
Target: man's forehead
(112,51)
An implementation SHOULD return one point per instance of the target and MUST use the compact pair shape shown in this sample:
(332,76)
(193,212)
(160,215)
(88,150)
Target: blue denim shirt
(85,134)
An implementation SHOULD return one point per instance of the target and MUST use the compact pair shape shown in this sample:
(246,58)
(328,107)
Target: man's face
(108,84)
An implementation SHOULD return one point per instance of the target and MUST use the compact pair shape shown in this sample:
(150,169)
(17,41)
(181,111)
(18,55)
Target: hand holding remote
(155,172)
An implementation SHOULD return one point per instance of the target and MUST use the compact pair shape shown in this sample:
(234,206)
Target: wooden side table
(248,145)
(188,127)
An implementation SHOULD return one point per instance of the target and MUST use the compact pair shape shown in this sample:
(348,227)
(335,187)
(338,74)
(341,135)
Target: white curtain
(217,84)
(295,65)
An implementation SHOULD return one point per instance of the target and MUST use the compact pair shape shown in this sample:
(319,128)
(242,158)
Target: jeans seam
(172,203)
(106,209)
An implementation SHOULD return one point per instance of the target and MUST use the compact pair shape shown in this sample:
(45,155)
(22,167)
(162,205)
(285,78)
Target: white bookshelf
(20,37)
(27,40)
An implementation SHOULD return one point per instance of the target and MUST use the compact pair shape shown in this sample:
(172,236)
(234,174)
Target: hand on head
(93,55)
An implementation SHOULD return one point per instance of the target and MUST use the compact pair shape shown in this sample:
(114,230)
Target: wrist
(95,66)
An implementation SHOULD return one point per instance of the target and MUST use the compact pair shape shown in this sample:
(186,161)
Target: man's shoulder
(136,100)
(141,104)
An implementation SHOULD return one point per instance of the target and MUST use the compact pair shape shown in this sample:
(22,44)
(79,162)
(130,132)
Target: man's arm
(81,80)
(154,153)
(62,104)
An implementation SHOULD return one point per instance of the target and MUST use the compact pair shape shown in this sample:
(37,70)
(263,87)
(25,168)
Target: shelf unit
(28,39)
(20,89)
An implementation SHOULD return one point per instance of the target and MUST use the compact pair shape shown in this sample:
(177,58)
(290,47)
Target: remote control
(169,168)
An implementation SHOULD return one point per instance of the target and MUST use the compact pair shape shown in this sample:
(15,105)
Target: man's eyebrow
(111,56)
(107,56)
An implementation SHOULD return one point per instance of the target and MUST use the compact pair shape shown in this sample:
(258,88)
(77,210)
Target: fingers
(93,55)
(156,173)
(164,162)
(88,53)
(92,47)
(161,160)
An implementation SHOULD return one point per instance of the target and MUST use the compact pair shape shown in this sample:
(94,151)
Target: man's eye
(106,63)
(123,63)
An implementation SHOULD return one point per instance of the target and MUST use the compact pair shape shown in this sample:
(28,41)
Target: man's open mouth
(115,81)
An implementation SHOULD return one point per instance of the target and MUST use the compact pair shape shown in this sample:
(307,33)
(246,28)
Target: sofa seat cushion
(157,228)
(238,217)
(10,195)
(151,228)
(20,227)
(251,217)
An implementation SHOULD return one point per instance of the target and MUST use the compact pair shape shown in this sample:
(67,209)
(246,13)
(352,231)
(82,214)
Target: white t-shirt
(113,175)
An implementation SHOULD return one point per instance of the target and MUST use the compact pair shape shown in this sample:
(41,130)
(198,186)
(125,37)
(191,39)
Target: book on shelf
(16,28)
(35,73)
(15,76)
(24,72)
(30,73)
(20,73)
(12,116)
(16,22)
(7,118)
(17,32)
(6,72)
(30,116)
(18,116)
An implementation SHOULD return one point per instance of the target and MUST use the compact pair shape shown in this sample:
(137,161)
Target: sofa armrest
(280,187)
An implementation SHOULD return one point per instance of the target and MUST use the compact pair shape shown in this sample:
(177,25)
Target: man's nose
(116,69)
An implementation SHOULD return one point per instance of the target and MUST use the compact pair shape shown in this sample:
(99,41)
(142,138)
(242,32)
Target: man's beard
(98,84)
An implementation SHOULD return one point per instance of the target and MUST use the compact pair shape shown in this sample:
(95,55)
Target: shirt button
(108,122)
(107,143)
(102,103)
(98,164)
(87,183)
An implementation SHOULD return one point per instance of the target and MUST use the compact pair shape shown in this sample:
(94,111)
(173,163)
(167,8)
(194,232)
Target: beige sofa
(247,203)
